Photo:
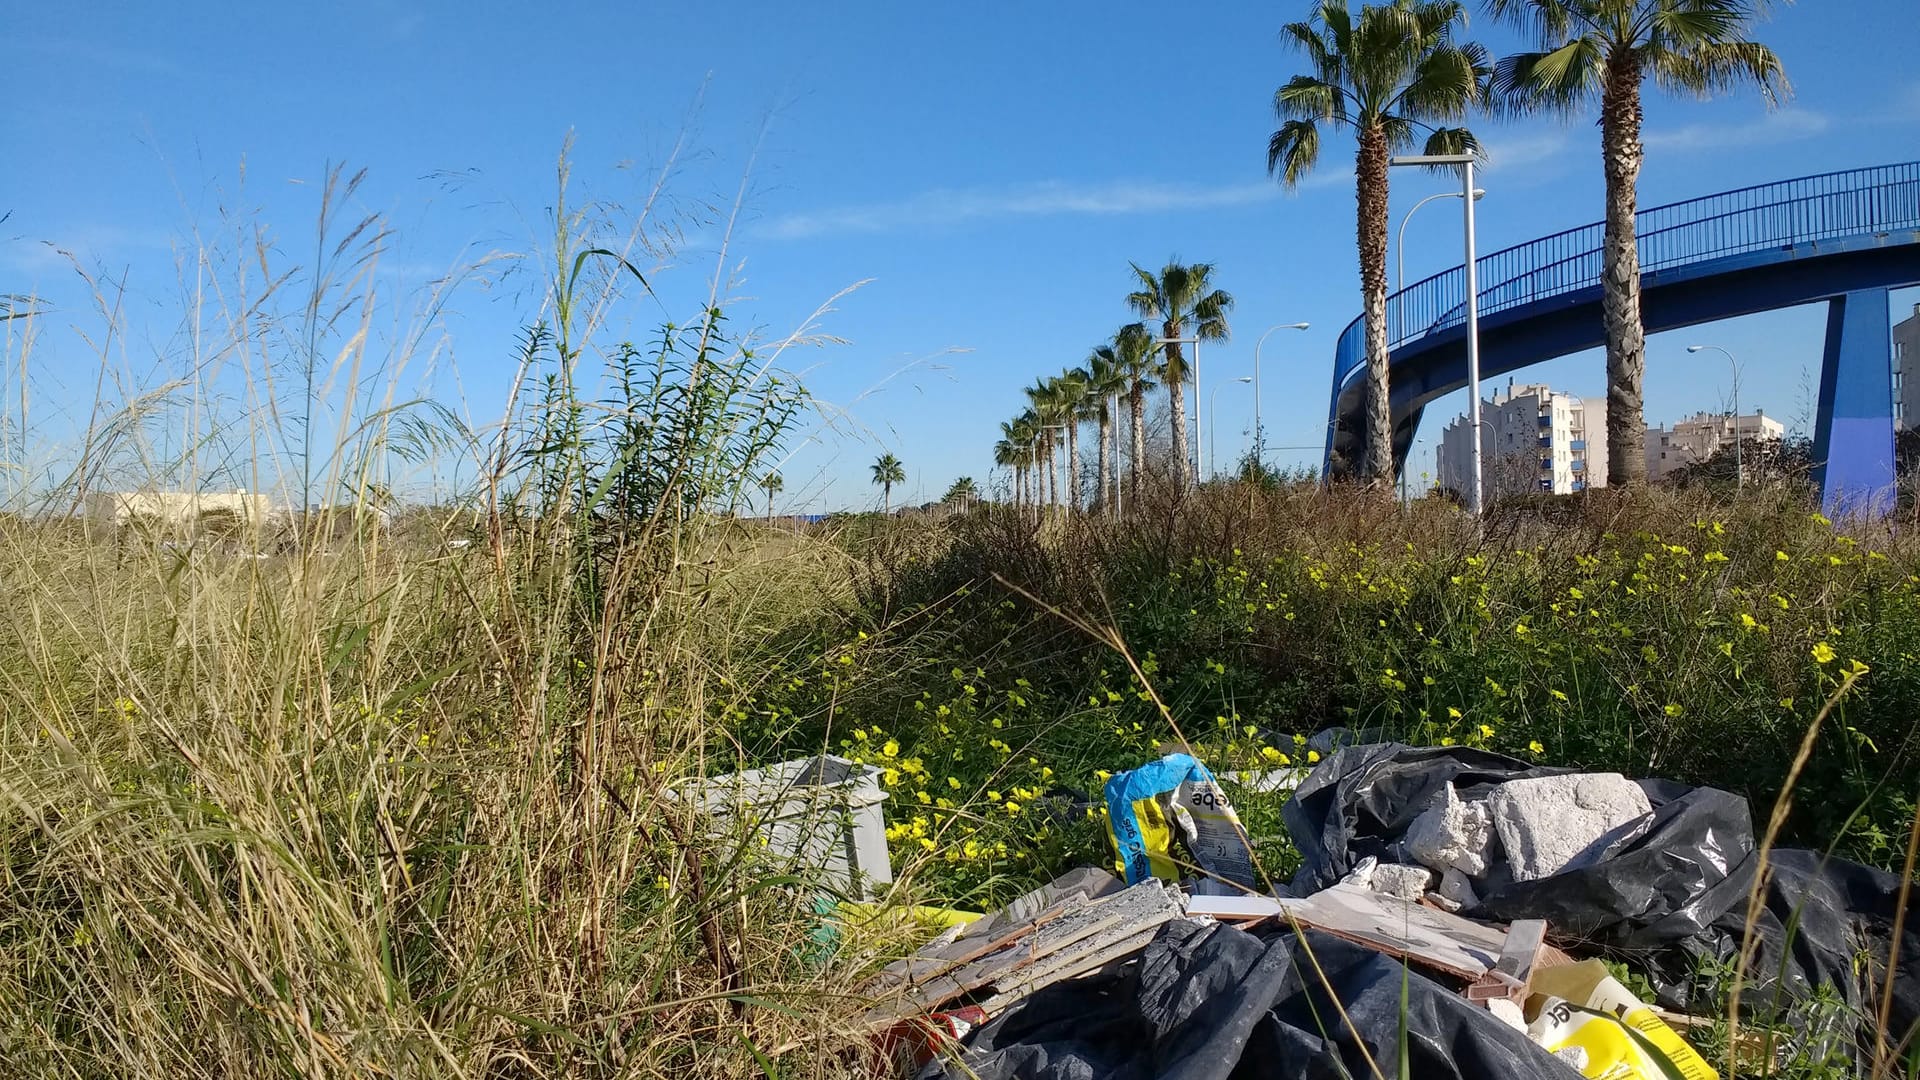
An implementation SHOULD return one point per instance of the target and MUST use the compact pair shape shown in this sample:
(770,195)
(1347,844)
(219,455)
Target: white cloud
(1518,153)
(953,206)
(1786,125)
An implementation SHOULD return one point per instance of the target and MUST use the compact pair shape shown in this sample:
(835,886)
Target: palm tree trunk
(1371,172)
(1106,458)
(1137,420)
(1620,276)
(1177,399)
(1073,466)
(886,499)
(1049,483)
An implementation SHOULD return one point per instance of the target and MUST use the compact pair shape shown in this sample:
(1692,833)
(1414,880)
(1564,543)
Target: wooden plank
(1425,935)
(1082,963)
(1513,970)
(1129,908)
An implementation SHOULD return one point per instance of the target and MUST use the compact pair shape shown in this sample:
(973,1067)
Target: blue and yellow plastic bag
(1147,806)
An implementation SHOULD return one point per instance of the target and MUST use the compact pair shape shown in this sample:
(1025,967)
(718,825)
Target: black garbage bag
(1215,1002)
(1665,900)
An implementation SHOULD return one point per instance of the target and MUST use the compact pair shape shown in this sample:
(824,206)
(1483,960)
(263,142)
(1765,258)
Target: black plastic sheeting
(1667,901)
(1219,1003)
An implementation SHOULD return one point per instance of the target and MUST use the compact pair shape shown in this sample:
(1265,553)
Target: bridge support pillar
(1853,436)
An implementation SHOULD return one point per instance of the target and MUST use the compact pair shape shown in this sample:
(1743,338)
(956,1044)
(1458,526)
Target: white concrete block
(1398,879)
(1554,823)
(1451,835)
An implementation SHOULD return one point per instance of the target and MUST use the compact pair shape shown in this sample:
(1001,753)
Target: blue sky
(986,171)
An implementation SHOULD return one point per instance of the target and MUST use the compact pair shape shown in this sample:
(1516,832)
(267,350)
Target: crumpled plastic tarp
(1214,1002)
(1663,900)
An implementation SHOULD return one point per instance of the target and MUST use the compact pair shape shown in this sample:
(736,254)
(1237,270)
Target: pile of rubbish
(1452,911)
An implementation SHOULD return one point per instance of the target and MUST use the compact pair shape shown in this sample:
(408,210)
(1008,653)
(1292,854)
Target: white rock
(1362,873)
(1508,1013)
(1443,903)
(1401,880)
(1451,835)
(1457,889)
(1555,823)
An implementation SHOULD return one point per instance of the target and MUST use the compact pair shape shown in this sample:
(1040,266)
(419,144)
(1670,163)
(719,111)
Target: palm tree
(1389,73)
(1026,434)
(1070,400)
(1185,303)
(964,490)
(1106,381)
(1601,51)
(773,485)
(887,471)
(1133,351)
(1043,398)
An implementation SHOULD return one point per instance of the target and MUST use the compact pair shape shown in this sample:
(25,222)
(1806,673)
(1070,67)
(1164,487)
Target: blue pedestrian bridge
(1844,238)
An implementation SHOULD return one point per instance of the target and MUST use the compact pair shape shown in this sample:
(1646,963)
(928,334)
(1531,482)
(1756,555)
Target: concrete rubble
(1553,823)
(1451,835)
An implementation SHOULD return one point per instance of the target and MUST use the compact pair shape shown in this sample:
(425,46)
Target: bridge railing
(1808,209)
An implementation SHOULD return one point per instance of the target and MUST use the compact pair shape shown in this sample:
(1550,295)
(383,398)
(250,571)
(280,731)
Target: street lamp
(1465,161)
(1213,418)
(1739,471)
(1258,431)
(1195,342)
(1400,244)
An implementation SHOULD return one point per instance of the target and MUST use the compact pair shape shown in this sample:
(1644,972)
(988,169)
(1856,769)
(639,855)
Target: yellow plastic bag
(1606,1032)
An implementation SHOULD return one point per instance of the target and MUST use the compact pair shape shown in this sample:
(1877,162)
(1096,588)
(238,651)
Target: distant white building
(1533,439)
(1703,435)
(1906,361)
(179,510)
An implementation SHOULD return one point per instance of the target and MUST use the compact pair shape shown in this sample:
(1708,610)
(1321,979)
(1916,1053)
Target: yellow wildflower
(1823,653)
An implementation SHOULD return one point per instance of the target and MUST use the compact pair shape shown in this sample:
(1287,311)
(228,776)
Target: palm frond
(1549,22)
(1326,62)
(1562,81)
(1448,82)
(1453,141)
(1305,97)
(1708,69)
(1210,315)
(1292,152)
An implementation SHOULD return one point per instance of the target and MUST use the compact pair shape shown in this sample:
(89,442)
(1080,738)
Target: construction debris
(1075,935)
(1432,919)
(1555,823)
(1451,835)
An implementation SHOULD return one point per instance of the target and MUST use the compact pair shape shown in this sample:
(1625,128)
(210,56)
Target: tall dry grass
(347,801)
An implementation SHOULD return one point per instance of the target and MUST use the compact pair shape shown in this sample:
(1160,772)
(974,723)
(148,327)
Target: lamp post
(1465,161)
(1198,464)
(1739,470)
(1213,419)
(1400,244)
(1258,431)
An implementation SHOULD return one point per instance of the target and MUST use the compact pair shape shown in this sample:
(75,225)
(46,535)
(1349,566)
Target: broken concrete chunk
(1361,876)
(1457,889)
(1401,880)
(1451,835)
(1508,1013)
(1555,823)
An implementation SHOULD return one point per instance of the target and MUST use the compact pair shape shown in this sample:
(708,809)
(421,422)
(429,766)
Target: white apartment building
(1703,435)
(1533,439)
(1906,361)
